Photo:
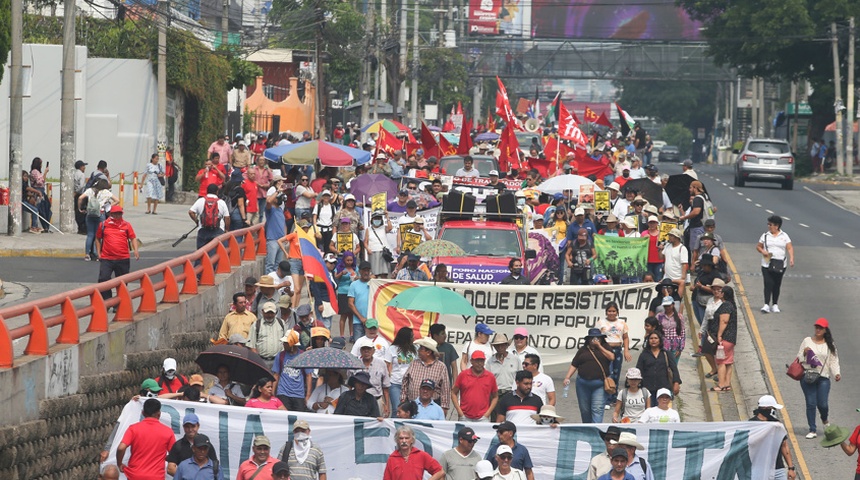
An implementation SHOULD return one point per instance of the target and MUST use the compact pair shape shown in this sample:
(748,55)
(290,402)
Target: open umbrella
(433,299)
(390,125)
(367,185)
(649,190)
(678,189)
(434,128)
(564,183)
(245,366)
(438,248)
(305,153)
(326,357)
(486,137)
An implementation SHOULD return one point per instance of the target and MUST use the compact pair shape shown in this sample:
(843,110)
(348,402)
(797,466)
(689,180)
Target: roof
(271,55)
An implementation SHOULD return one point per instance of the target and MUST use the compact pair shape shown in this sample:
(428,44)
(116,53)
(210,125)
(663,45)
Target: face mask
(376,222)
(546,420)
(302,438)
(521,202)
(170,374)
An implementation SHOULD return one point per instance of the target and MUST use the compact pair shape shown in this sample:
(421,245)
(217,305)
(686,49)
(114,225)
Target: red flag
(445,147)
(459,108)
(568,126)
(509,148)
(465,144)
(603,120)
(554,149)
(412,147)
(503,103)
(491,121)
(387,142)
(545,166)
(586,165)
(448,126)
(590,116)
(431,148)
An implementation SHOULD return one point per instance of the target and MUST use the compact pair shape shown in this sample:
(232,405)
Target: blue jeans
(699,311)
(817,395)
(357,330)
(589,396)
(615,373)
(274,255)
(656,270)
(92,226)
(394,394)
(261,208)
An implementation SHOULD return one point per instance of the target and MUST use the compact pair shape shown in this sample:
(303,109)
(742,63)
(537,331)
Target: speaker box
(504,204)
(457,202)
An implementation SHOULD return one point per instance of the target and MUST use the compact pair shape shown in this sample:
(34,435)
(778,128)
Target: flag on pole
(590,116)
(603,120)
(350,98)
(551,115)
(568,126)
(509,149)
(491,121)
(431,148)
(626,120)
(503,104)
(445,147)
(312,263)
(465,144)
(387,142)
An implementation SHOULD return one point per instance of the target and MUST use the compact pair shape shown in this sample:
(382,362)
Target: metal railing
(222,260)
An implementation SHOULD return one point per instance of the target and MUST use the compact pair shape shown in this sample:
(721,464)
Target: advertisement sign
(557,317)
(357,448)
(496,17)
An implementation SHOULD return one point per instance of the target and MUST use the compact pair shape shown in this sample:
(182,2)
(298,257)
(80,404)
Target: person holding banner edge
(592,361)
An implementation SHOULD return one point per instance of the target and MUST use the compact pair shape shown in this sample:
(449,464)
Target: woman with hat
(702,292)
(708,344)
(324,397)
(655,265)
(357,402)
(658,367)
(820,362)
(666,288)
(634,399)
(674,333)
(592,362)
(547,416)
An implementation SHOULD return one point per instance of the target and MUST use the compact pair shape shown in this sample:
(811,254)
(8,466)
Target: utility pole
(837,104)
(401,99)
(16,124)
(225,23)
(754,104)
(67,122)
(383,75)
(795,101)
(415,65)
(849,145)
(365,73)
(320,85)
(161,112)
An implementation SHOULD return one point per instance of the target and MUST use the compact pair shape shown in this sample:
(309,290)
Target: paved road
(822,283)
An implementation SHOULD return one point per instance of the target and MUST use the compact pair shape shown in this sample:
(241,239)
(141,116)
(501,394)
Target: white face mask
(376,222)
(170,374)
(302,438)
(546,420)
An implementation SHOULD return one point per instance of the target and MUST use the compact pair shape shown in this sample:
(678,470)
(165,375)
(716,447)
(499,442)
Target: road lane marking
(803,225)
(749,199)
(849,245)
(741,193)
(798,454)
(769,211)
(826,234)
(786,218)
(731,188)
(758,205)
(829,200)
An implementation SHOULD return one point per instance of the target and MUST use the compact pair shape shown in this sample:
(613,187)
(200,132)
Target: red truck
(489,246)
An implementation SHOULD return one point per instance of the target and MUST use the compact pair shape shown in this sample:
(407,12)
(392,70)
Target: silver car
(765,160)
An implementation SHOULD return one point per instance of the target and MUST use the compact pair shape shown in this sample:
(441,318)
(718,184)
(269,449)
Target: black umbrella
(678,189)
(649,190)
(245,366)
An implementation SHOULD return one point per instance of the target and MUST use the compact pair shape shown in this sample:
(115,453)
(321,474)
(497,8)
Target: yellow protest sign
(410,241)
(379,202)
(665,228)
(344,242)
(602,203)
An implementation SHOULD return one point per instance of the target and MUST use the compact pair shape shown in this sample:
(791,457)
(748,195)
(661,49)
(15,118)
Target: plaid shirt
(418,372)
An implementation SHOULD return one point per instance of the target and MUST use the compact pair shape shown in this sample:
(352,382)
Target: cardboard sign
(602,203)
(586,194)
(665,228)
(410,241)
(379,202)
(345,242)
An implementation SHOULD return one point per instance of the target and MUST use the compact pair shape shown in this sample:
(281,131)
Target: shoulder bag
(774,265)
(608,383)
(386,252)
(795,370)
(669,371)
(160,175)
(811,375)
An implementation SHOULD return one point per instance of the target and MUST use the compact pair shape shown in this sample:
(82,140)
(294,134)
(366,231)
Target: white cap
(504,449)
(614,186)
(664,391)
(653,218)
(494,173)
(349,196)
(169,364)
(364,342)
(241,143)
(326,192)
(484,469)
(768,401)
(578,211)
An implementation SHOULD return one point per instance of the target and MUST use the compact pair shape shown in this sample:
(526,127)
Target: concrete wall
(59,409)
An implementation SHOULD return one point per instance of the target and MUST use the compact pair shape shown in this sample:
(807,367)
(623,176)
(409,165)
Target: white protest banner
(357,448)
(557,317)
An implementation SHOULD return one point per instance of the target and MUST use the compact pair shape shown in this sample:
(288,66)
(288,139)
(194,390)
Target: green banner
(621,257)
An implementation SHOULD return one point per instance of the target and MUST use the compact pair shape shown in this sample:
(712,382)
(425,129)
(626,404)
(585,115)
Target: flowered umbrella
(326,357)
(438,248)
(433,299)
(305,153)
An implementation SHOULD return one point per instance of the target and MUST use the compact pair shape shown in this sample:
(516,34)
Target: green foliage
(443,71)
(248,120)
(242,72)
(5,31)
(678,135)
(685,102)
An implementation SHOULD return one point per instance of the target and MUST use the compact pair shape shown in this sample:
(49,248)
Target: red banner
(509,147)
(590,116)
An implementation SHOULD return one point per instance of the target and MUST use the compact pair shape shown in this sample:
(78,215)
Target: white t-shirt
(657,415)
(322,391)
(279,280)
(325,214)
(541,385)
(462,172)
(637,173)
(301,200)
(376,238)
(380,345)
(473,346)
(614,331)
(399,361)
(775,245)
(521,356)
(634,404)
(622,207)
(676,257)
(515,474)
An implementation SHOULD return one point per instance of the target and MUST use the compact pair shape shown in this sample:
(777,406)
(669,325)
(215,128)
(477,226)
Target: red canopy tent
(832,127)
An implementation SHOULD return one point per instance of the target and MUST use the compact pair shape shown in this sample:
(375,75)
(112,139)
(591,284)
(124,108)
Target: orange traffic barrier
(99,318)
(7,356)
(249,250)
(71,331)
(171,288)
(124,310)
(148,304)
(223,259)
(261,243)
(189,287)
(207,276)
(234,252)
(38,344)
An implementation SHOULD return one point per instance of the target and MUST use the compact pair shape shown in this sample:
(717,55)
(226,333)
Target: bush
(678,135)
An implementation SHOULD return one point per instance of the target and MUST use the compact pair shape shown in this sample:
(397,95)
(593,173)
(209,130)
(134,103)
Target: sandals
(720,389)
(711,375)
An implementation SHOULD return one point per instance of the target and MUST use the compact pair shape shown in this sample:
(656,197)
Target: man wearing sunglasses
(459,462)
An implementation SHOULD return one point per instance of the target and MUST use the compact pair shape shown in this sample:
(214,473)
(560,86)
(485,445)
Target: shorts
(296,267)
(730,354)
(343,303)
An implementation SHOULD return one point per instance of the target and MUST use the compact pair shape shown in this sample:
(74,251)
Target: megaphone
(532,125)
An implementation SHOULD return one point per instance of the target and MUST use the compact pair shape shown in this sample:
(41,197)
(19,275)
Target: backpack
(94,208)
(257,333)
(709,211)
(94,178)
(182,382)
(211,216)
(623,399)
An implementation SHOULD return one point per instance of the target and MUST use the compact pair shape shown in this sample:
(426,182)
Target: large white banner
(357,448)
(556,317)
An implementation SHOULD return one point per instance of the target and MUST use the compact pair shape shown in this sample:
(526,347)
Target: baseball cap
(191,418)
(411,204)
(503,449)
(79,164)
(371,323)
(484,469)
(200,440)
(303,310)
(364,265)
(619,452)
(326,192)
(710,223)
(169,364)
(664,391)
(280,467)
(822,322)
(634,373)
(494,173)
(483,328)
(196,379)
(427,383)
(467,434)
(301,425)
(479,355)
(330,258)
(687,163)
(767,401)
(579,211)
(521,331)
(151,385)
(270,307)
(251,280)
(262,440)
(668,301)
(506,426)
(349,196)
(115,209)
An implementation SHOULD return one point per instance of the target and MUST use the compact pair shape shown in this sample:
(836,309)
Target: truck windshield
(485,241)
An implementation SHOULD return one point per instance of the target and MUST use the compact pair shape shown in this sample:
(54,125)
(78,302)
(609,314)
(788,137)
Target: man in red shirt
(112,241)
(258,147)
(210,173)
(259,466)
(475,392)
(249,184)
(150,441)
(409,463)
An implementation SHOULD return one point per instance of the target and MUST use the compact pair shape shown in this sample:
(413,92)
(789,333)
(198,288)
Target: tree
(678,135)
(670,101)
(5,31)
(442,71)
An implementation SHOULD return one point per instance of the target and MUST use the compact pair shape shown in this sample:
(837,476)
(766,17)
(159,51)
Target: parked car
(669,153)
(765,160)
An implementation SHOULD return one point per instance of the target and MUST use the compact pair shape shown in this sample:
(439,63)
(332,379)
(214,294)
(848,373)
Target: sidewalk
(153,231)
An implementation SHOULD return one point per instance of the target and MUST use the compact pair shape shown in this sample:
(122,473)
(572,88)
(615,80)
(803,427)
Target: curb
(74,253)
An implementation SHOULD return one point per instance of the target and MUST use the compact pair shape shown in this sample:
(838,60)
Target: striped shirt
(313,465)
(268,342)
(418,372)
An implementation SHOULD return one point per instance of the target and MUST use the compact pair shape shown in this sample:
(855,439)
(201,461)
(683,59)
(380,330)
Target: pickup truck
(489,246)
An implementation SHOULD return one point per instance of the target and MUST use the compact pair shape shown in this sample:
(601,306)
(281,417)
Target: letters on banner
(357,448)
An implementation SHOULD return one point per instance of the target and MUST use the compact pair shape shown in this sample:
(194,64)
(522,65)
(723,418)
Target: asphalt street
(823,283)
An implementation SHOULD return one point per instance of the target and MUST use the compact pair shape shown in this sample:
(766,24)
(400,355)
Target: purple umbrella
(486,137)
(369,184)
(434,128)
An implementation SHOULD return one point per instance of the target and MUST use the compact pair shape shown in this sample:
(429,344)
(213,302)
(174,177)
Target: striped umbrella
(305,153)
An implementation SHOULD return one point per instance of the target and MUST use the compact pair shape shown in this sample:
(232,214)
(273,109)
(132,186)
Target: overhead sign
(358,448)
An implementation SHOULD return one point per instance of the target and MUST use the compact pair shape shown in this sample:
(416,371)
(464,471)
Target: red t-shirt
(150,441)
(854,439)
(398,468)
(653,253)
(171,386)
(250,188)
(475,391)
(115,236)
(208,178)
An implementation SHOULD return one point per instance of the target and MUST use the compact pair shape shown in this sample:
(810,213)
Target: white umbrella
(564,183)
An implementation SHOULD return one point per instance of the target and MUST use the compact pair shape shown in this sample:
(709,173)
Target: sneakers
(607,407)
(811,435)
(696,354)
(765,309)
(88,258)
(774,308)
